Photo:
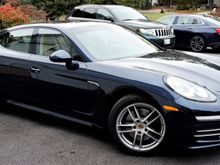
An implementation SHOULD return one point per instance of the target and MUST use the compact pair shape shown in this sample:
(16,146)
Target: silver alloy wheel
(140,127)
(197,43)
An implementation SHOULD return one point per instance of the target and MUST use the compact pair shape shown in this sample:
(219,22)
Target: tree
(11,16)
(33,13)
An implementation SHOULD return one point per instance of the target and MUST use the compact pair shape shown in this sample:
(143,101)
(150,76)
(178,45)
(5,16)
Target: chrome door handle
(34,70)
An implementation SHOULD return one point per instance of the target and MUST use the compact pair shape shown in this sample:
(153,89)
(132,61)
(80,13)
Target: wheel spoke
(152,130)
(135,138)
(200,41)
(147,117)
(132,117)
(150,136)
(136,111)
(126,131)
(154,119)
(141,140)
(126,125)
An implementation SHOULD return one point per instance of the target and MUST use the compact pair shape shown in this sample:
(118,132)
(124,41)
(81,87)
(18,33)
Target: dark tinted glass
(90,13)
(18,40)
(77,13)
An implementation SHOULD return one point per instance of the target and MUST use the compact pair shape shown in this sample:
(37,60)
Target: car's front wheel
(137,126)
(198,43)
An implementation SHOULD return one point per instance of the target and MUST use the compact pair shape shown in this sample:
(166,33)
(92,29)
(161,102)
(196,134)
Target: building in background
(217,2)
(154,2)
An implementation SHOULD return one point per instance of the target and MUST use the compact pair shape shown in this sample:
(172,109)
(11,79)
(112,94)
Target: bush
(183,7)
(10,16)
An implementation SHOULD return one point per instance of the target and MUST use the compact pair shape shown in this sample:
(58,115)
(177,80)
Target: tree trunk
(211,2)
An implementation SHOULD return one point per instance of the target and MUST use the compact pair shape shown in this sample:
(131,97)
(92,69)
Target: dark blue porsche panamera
(105,76)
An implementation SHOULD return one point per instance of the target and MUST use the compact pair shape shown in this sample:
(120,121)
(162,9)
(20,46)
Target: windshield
(107,42)
(126,13)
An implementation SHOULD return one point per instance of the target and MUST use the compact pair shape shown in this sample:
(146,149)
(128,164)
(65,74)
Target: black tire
(198,43)
(129,114)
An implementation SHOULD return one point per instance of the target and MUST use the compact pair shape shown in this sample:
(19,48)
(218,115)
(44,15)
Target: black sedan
(195,31)
(105,76)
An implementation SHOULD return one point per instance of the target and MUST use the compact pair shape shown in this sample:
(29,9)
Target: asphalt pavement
(31,138)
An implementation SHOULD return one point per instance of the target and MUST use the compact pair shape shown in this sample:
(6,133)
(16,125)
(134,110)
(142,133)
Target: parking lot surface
(30,138)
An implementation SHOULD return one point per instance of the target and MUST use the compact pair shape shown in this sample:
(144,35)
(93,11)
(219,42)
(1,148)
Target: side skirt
(44,111)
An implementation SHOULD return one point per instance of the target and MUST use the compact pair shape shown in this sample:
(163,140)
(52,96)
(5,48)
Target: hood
(144,24)
(203,70)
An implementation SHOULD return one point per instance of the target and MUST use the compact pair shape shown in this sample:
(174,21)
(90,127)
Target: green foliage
(54,8)
(187,4)
(155,16)
(57,8)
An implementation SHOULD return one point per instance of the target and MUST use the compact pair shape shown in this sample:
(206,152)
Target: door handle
(34,70)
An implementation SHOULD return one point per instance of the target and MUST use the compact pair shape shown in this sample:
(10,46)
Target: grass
(154,16)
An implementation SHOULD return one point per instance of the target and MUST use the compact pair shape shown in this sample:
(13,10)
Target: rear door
(184,29)
(14,74)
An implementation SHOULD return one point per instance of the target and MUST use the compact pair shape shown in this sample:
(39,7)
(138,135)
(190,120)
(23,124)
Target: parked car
(194,31)
(129,18)
(103,75)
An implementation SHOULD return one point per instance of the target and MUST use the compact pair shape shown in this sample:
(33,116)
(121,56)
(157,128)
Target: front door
(55,87)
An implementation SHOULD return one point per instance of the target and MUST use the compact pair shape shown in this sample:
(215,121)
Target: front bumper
(167,42)
(196,126)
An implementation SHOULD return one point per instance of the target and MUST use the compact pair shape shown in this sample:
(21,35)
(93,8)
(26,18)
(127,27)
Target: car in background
(103,75)
(129,18)
(194,31)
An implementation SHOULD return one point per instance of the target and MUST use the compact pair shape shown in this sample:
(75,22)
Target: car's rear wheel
(198,43)
(137,126)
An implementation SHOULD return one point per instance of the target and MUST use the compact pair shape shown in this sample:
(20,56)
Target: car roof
(58,25)
(105,6)
(201,16)
(204,17)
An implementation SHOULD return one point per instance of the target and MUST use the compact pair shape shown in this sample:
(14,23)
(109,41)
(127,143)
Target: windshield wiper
(128,19)
(138,19)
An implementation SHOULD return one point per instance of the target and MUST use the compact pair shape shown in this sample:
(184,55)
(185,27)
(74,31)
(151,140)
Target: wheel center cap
(140,126)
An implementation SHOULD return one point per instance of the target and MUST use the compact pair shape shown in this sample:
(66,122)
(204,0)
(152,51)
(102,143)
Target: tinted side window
(197,21)
(90,13)
(168,20)
(103,14)
(48,41)
(77,13)
(187,21)
(18,40)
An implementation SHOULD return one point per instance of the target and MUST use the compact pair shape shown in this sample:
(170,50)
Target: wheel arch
(124,91)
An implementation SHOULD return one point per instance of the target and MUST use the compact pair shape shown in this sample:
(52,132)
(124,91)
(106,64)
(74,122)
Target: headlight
(147,31)
(172,30)
(189,90)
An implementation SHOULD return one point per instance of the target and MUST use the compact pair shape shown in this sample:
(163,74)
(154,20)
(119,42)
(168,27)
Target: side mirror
(65,57)
(60,56)
(109,19)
